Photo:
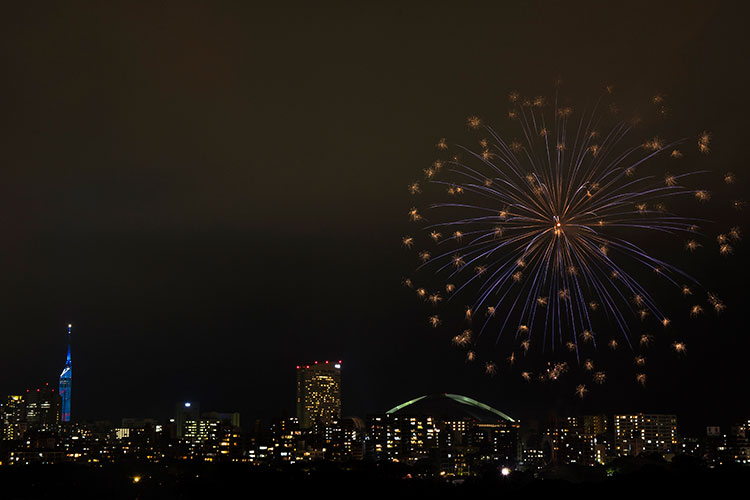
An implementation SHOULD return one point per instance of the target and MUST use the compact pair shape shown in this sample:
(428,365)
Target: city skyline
(314,407)
(695,425)
(437,436)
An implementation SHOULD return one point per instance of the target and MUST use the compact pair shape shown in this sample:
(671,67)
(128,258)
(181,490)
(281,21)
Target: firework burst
(544,235)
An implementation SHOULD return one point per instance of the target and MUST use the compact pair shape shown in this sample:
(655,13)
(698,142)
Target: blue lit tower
(66,383)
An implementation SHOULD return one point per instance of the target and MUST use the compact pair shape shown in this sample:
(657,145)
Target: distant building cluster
(599,439)
(438,435)
(35,410)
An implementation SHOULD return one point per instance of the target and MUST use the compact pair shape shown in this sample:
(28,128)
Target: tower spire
(70,327)
(66,382)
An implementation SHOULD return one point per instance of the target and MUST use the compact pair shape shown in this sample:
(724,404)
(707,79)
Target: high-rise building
(574,440)
(739,441)
(286,439)
(212,435)
(42,409)
(318,394)
(13,418)
(589,424)
(345,439)
(66,383)
(645,433)
(186,412)
(584,440)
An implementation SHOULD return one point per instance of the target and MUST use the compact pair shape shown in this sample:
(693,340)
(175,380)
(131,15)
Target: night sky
(213,194)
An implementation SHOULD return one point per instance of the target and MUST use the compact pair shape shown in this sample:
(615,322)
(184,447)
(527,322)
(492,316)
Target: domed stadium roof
(449,407)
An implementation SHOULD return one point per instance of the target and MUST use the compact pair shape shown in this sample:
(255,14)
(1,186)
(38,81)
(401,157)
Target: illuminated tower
(318,394)
(66,383)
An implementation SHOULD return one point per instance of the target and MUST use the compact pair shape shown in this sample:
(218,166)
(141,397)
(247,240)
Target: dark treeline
(187,481)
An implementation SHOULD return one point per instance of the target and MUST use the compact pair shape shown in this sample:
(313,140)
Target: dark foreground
(188,481)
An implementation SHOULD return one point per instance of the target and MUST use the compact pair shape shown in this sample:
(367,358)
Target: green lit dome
(449,407)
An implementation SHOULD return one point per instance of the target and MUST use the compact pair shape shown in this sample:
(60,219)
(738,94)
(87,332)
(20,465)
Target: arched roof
(450,406)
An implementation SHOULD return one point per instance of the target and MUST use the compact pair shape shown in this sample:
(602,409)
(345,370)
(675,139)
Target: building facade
(447,433)
(14,421)
(42,409)
(318,394)
(645,433)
